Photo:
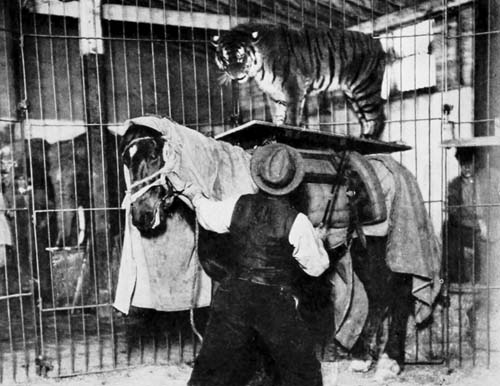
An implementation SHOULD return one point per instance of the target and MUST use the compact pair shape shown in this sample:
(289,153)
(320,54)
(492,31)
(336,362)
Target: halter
(158,178)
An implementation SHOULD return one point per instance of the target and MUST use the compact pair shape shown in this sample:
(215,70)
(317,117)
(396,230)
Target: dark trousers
(242,314)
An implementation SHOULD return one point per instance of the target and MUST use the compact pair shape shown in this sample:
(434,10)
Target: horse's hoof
(387,368)
(330,373)
(360,366)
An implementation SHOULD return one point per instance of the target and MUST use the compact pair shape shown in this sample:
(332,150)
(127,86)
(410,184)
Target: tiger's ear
(215,40)
(255,36)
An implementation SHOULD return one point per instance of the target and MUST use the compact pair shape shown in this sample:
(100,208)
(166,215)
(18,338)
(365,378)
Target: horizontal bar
(472,206)
(43,211)
(104,371)
(426,362)
(70,308)
(465,288)
(482,141)
(114,38)
(15,296)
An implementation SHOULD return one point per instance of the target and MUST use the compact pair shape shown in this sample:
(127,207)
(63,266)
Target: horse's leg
(391,362)
(400,310)
(369,264)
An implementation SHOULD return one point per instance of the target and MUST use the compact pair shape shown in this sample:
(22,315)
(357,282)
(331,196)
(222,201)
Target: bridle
(158,178)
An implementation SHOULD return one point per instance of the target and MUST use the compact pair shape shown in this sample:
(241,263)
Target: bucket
(70,275)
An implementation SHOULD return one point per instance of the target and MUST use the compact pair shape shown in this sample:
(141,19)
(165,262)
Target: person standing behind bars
(273,244)
(473,219)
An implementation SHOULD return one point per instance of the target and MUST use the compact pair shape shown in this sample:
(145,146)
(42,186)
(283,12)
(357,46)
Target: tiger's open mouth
(241,79)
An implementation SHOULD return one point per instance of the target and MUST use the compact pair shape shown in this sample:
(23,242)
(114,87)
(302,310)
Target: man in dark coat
(274,244)
(473,219)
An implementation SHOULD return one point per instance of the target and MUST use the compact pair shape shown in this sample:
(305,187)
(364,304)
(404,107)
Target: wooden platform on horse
(256,133)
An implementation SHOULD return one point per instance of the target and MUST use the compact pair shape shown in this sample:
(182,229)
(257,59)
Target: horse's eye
(154,157)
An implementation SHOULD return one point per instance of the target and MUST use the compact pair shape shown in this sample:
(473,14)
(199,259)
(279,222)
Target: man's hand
(321,231)
(177,182)
(192,191)
(186,189)
(483,230)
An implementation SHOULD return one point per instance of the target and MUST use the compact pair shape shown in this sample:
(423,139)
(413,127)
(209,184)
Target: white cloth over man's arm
(214,215)
(308,250)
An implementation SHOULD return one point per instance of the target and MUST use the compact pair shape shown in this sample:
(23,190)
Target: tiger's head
(237,54)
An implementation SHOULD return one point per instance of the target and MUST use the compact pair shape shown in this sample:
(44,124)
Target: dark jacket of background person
(473,231)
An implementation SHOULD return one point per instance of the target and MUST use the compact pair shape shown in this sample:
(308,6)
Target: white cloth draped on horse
(164,273)
(222,170)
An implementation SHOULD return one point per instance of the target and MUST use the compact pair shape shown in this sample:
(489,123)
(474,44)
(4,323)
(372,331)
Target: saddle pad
(322,168)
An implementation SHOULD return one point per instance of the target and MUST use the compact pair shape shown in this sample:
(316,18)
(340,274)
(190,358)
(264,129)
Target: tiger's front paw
(367,129)
(279,120)
(372,129)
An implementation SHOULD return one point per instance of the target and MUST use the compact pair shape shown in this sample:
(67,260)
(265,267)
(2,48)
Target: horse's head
(151,194)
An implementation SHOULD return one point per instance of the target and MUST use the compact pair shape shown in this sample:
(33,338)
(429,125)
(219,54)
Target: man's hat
(277,168)
(465,154)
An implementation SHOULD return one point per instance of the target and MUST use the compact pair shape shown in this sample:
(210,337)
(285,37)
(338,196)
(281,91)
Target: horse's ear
(215,40)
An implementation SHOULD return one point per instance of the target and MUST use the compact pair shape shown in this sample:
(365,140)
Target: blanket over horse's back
(222,170)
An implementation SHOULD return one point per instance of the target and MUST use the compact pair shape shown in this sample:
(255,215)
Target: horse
(389,275)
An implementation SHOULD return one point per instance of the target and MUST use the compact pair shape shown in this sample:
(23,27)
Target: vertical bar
(127,98)
(221,89)
(207,69)
(183,107)
(10,95)
(118,216)
(125,61)
(91,231)
(195,75)
(95,114)
(402,117)
(153,58)
(444,67)
(42,115)
(139,62)
(60,172)
(429,153)
(165,37)
(416,149)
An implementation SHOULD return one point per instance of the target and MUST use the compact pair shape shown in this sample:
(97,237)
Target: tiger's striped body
(288,65)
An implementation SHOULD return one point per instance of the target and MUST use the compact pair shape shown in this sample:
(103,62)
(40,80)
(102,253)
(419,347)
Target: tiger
(290,64)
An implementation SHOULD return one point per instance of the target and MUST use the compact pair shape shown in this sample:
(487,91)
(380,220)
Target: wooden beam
(129,13)
(134,14)
(408,15)
(90,27)
(57,8)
